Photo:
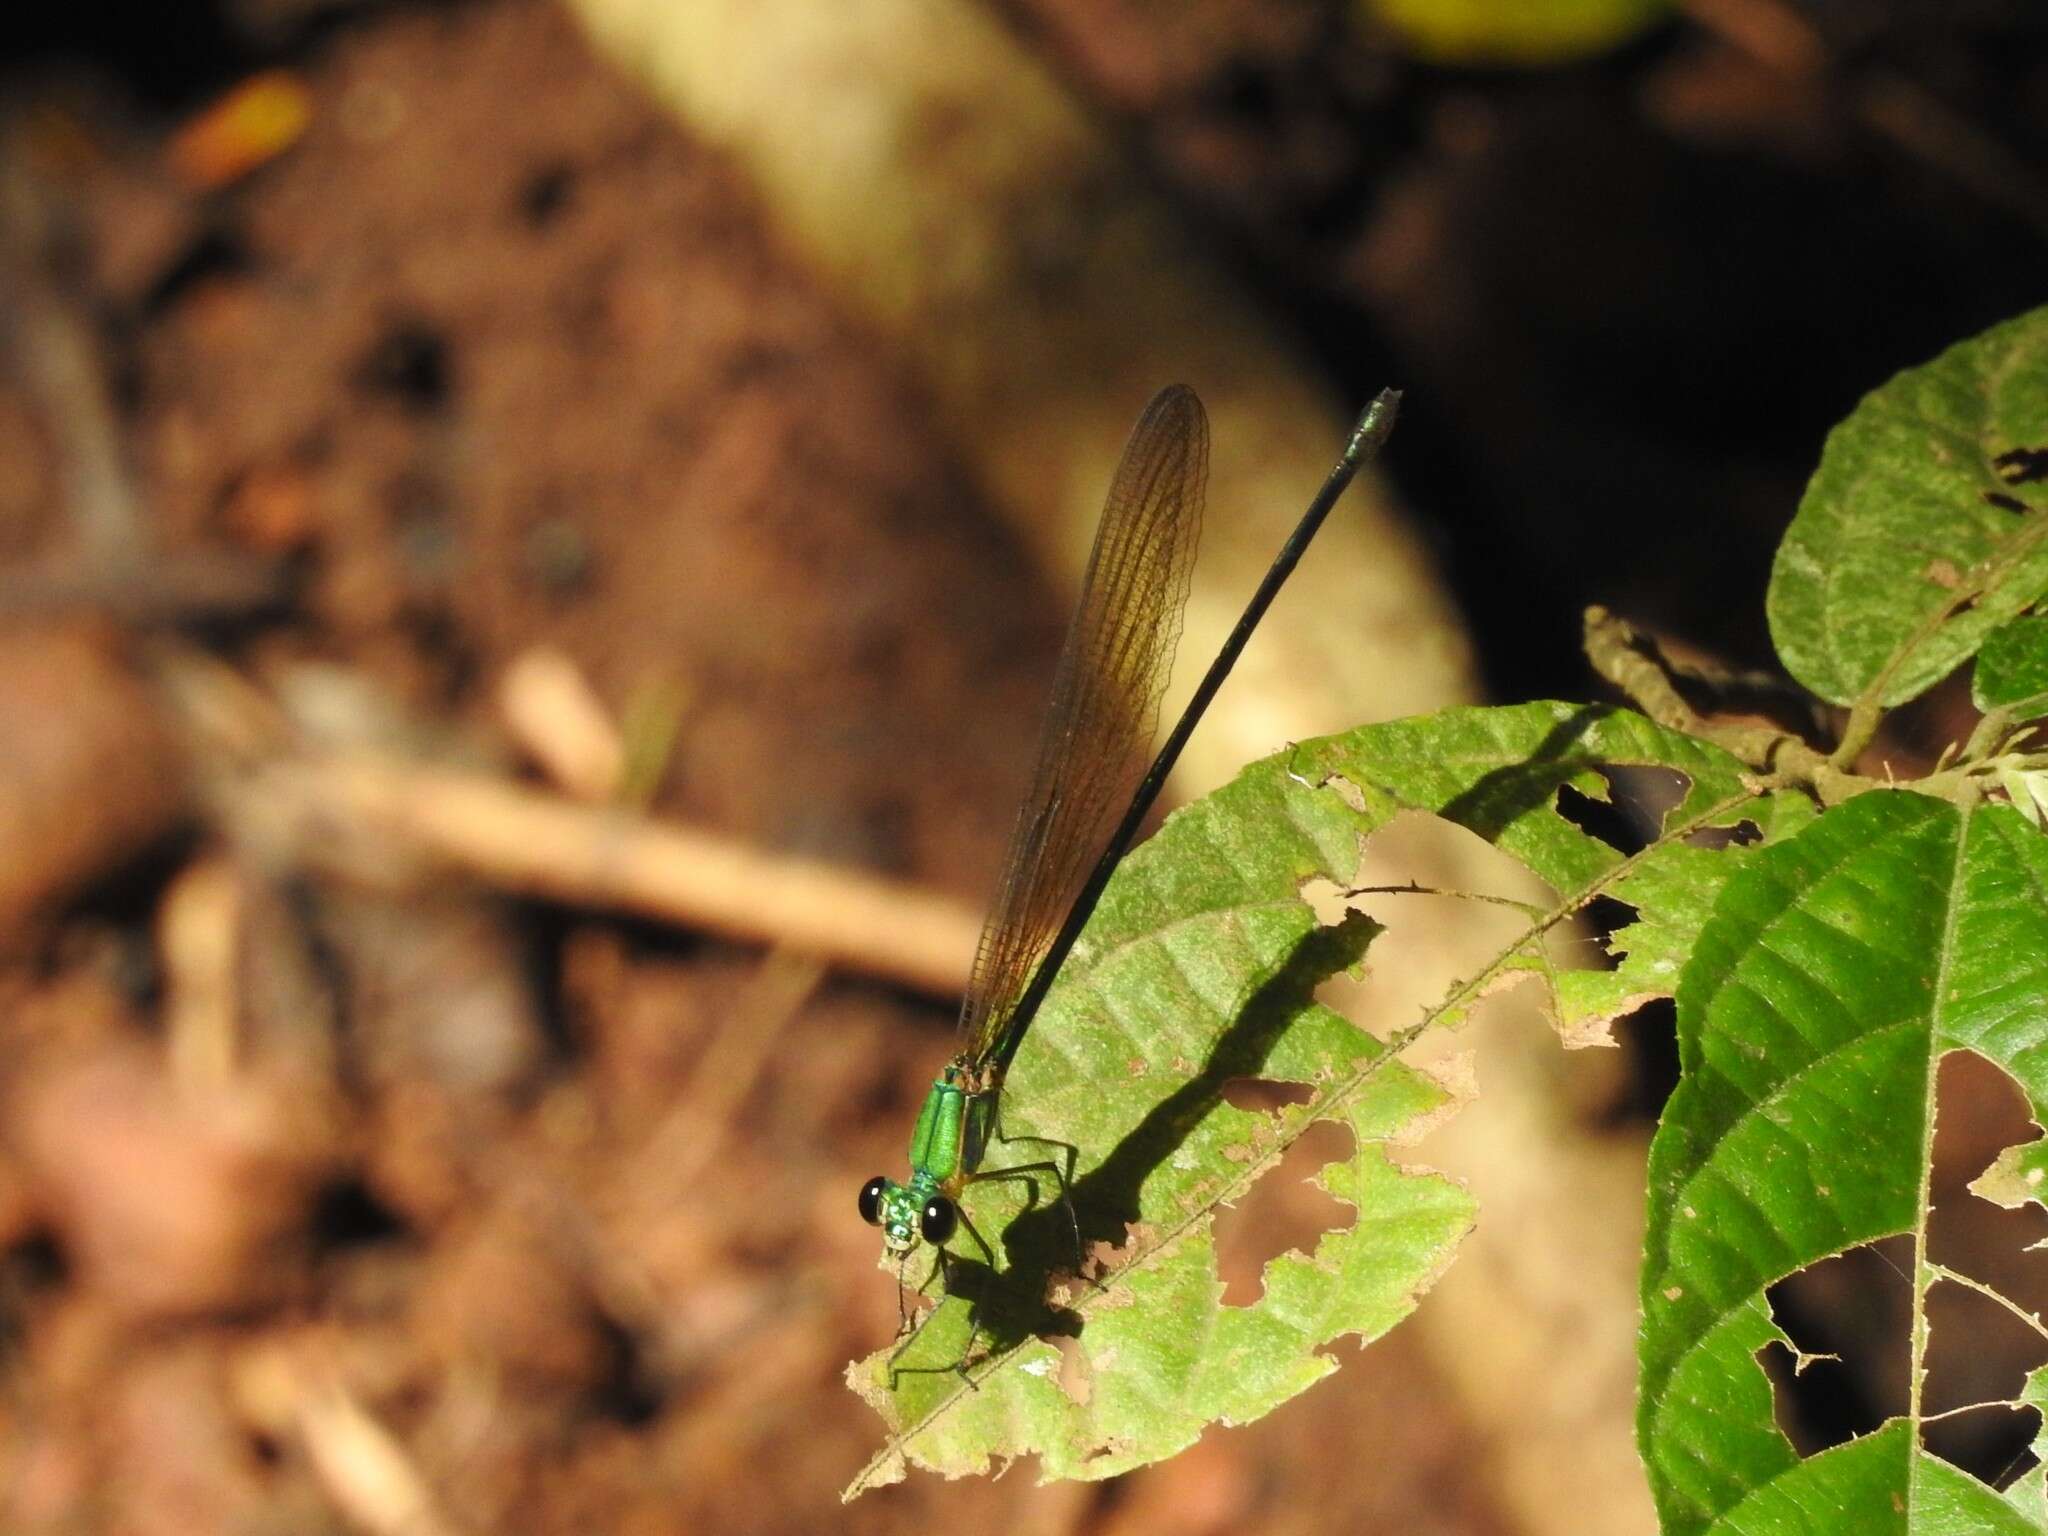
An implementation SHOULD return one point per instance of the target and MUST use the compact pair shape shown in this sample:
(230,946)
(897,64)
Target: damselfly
(1089,794)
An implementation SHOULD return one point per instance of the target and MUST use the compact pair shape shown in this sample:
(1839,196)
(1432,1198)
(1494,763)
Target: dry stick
(1631,662)
(540,845)
(363,1468)
(550,709)
(199,929)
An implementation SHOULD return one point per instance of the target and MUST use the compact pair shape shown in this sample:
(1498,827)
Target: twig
(1631,662)
(199,928)
(554,714)
(1411,888)
(364,1469)
(540,845)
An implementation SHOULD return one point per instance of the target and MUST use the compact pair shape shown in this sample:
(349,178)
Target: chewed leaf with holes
(1836,970)
(1197,969)
(1497,772)
(1925,526)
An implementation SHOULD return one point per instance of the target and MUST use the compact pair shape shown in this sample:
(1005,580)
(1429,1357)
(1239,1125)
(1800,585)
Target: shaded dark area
(1629,297)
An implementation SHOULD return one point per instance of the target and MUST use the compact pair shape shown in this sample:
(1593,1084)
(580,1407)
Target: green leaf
(1875,1486)
(2012,669)
(1922,530)
(2027,789)
(1827,1494)
(1497,773)
(1836,970)
(2029,1494)
(1942,1501)
(1198,968)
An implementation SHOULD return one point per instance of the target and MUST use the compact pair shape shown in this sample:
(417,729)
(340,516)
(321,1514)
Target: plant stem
(1629,660)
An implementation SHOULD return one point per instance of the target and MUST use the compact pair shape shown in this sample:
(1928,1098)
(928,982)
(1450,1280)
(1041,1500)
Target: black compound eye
(871,1200)
(939,1217)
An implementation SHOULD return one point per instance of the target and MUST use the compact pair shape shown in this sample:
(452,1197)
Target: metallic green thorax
(946,1146)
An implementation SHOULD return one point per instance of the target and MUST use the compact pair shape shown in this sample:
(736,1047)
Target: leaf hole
(1857,1306)
(1743,834)
(1985,1143)
(1846,1371)
(1649,1043)
(1432,934)
(1602,945)
(2006,503)
(1603,820)
(1650,791)
(2021,466)
(1608,915)
(1075,1379)
(1978,1351)
(1264,1095)
(1287,1211)
(1638,798)
(1970,1337)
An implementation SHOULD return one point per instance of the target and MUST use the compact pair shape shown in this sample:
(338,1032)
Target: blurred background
(533,537)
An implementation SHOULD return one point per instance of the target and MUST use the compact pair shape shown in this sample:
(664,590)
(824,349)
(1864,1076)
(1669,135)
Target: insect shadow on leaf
(1012,1306)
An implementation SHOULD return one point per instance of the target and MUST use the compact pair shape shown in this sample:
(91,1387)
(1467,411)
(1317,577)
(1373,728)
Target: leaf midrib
(1916,1379)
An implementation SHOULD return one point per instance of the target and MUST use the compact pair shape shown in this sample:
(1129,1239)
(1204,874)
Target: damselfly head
(886,1204)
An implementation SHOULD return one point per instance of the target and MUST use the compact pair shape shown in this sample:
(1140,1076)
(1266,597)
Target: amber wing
(1097,738)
